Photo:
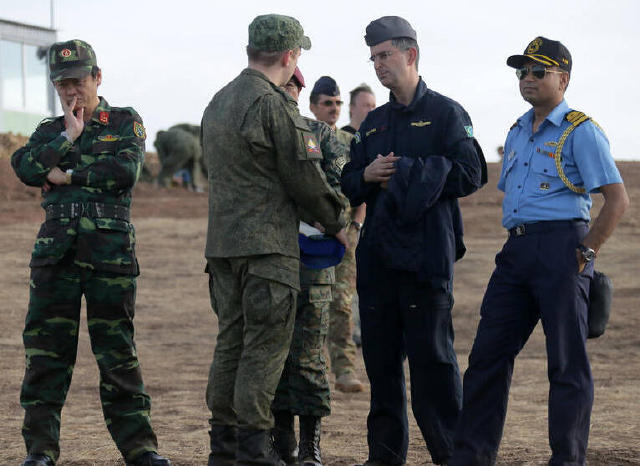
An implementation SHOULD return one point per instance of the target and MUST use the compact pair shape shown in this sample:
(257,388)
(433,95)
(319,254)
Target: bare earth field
(176,335)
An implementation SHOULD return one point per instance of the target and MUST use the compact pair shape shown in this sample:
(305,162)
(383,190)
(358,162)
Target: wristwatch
(358,225)
(588,254)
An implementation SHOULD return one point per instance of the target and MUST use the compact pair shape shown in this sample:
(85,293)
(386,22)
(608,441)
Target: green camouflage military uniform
(304,386)
(342,349)
(86,246)
(264,168)
(179,148)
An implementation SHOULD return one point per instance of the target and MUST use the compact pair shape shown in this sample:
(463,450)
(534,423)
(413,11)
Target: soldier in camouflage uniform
(325,104)
(179,147)
(304,386)
(87,162)
(264,169)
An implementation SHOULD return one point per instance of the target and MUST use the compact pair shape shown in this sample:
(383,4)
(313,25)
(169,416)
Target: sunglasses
(538,71)
(331,103)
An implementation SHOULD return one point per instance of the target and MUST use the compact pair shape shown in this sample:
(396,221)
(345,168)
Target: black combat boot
(224,443)
(309,454)
(37,460)
(150,458)
(284,437)
(255,448)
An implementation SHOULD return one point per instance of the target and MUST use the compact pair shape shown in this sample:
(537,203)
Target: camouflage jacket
(263,160)
(335,154)
(106,161)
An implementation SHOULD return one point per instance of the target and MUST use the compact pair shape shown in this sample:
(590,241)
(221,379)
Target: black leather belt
(87,209)
(541,227)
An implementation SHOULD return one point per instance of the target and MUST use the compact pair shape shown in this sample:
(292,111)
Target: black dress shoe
(37,460)
(150,458)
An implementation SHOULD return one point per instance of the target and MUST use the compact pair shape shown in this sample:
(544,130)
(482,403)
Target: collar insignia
(104,117)
(357,137)
(420,124)
(371,131)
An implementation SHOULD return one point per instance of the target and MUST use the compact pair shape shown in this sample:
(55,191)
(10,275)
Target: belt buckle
(520,230)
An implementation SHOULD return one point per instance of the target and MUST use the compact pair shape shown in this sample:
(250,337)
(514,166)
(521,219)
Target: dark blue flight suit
(410,240)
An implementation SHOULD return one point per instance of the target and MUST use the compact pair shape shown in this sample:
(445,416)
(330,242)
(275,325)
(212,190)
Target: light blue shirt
(533,190)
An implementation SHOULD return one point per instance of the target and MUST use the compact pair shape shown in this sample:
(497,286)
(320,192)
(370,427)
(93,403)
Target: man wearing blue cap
(410,161)
(554,158)
(325,104)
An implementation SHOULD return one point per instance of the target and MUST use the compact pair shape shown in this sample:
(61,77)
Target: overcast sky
(167,59)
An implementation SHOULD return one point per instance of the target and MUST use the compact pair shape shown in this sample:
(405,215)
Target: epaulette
(576,118)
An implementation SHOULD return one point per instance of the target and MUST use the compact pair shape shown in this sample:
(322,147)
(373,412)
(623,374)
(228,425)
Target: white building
(26,94)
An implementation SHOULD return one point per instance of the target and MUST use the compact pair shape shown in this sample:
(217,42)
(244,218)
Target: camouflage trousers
(51,339)
(342,349)
(254,298)
(304,386)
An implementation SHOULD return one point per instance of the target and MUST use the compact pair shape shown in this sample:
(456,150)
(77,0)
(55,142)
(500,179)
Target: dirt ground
(175,334)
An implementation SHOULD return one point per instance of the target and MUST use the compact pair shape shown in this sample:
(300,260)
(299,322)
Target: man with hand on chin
(87,162)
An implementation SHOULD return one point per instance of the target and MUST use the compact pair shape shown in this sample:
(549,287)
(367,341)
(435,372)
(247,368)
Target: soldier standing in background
(325,104)
(304,386)
(87,162)
(361,101)
(264,171)
(179,148)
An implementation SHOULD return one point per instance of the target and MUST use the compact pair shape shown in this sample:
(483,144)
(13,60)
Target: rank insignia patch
(469,130)
(544,186)
(108,138)
(551,143)
(104,117)
(420,124)
(138,129)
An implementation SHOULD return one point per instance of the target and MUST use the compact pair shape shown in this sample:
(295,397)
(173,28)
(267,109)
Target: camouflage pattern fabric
(263,163)
(342,349)
(255,304)
(50,340)
(304,386)
(106,161)
(81,252)
(264,169)
(179,148)
(273,33)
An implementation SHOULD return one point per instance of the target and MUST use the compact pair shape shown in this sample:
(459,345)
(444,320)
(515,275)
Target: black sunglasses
(538,71)
(331,103)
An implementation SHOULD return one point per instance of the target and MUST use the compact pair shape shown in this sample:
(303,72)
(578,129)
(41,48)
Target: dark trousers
(401,317)
(51,339)
(535,279)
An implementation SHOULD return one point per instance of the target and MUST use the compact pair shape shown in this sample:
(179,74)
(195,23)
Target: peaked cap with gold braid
(545,51)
